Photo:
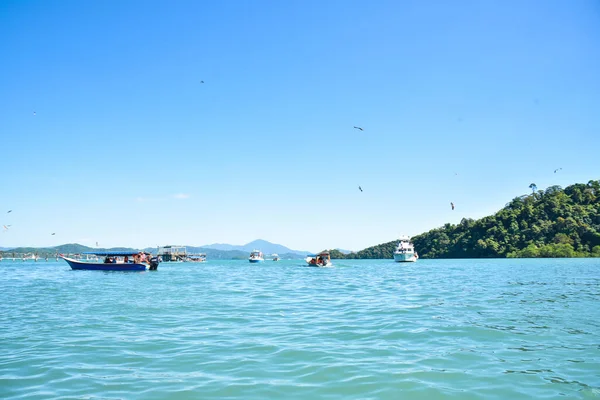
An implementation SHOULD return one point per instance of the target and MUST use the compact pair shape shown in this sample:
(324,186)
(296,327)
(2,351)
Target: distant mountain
(221,246)
(215,254)
(236,254)
(266,247)
(344,251)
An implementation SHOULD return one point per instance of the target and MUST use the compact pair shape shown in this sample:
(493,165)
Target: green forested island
(554,222)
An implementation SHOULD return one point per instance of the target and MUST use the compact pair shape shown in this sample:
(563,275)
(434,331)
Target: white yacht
(256,256)
(405,252)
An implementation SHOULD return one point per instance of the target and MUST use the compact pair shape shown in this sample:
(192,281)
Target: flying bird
(53,233)
(358,127)
(359,188)
(557,169)
(201,81)
(452,205)
(9,211)
(5,227)
(34,113)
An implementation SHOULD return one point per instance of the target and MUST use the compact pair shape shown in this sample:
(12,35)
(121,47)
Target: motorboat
(405,252)
(256,256)
(116,261)
(322,259)
(275,256)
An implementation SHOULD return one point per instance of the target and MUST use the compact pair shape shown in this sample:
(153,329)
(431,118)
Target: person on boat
(142,257)
(313,261)
(126,259)
(136,258)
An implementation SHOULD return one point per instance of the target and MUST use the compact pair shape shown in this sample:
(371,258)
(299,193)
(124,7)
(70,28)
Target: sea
(362,329)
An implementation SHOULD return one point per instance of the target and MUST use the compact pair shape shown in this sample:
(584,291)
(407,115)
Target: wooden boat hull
(97,266)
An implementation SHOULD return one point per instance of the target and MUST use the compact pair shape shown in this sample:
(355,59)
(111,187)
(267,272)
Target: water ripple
(443,329)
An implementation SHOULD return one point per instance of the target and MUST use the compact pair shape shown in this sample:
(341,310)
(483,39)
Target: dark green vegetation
(547,223)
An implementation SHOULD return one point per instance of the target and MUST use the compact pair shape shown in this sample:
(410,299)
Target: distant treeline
(547,223)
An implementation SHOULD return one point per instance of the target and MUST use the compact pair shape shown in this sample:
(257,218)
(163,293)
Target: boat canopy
(323,253)
(115,253)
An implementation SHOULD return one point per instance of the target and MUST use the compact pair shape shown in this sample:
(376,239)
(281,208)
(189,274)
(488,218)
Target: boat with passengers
(116,261)
(322,259)
(405,252)
(256,256)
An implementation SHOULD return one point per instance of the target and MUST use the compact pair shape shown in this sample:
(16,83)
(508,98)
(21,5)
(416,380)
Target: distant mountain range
(262,245)
(214,251)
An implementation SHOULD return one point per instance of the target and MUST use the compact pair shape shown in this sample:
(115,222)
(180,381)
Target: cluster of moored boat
(142,261)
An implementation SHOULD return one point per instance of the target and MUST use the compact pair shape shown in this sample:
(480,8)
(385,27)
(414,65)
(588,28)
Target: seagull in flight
(452,205)
(557,169)
(358,127)
(5,227)
(359,188)
(9,211)
(53,233)
(201,81)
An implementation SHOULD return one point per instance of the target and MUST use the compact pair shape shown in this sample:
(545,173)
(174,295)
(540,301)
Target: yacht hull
(405,257)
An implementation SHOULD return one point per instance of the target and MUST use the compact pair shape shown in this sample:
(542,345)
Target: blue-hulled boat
(256,256)
(116,261)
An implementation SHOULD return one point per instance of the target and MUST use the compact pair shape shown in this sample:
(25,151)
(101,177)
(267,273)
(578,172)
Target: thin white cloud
(181,196)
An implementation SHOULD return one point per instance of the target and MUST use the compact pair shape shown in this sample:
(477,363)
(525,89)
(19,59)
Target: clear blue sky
(465,101)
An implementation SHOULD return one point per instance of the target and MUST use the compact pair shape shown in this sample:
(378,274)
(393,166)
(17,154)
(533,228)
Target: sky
(149,123)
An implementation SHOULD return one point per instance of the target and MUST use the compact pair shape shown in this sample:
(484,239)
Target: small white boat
(275,256)
(256,256)
(322,259)
(405,252)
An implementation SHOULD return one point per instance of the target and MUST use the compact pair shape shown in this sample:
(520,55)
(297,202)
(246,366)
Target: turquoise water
(368,329)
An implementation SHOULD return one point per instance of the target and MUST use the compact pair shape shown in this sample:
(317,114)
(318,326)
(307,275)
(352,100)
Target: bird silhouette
(34,113)
(201,81)
(358,127)
(5,227)
(452,205)
(53,233)
(9,211)
(557,169)
(359,188)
